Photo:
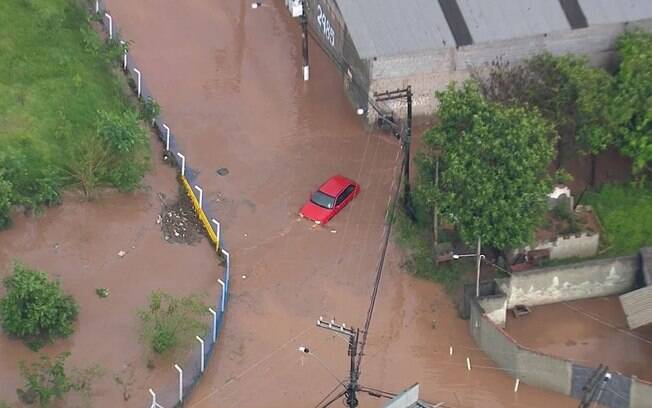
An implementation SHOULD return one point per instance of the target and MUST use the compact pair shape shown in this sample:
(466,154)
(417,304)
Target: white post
(228,265)
(124,57)
(477,279)
(217,233)
(139,78)
(518,381)
(210,309)
(451,351)
(183,164)
(108,17)
(468,364)
(180,382)
(221,282)
(201,343)
(201,196)
(306,72)
(97,10)
(167,137)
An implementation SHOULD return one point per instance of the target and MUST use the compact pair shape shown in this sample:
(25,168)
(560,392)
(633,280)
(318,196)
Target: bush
(5,202)
(46,380)
(170,323)
(35,309)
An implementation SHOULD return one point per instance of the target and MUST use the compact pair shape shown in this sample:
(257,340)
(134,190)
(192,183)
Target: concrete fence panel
(544,371)
(640,394)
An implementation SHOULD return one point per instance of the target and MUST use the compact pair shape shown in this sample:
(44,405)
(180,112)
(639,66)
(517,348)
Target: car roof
(334,185)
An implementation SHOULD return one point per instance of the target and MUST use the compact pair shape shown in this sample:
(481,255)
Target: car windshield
(323,200)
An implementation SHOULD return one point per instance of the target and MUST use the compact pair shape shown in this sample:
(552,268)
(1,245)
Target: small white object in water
(244,276)
(122,254)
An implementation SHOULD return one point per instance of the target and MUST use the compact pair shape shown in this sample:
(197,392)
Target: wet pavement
(78,242)
(589,332)
(228,79)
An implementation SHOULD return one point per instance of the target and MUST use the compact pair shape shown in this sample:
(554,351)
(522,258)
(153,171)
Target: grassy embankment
(61,104)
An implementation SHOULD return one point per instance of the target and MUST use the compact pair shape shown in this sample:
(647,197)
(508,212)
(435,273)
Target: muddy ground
(80,243)
(229,80)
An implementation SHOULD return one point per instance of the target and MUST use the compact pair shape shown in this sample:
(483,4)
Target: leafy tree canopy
(493,180)
(35,309)
(633,103)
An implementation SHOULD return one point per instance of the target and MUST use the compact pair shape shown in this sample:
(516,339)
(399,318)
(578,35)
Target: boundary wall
(190,371)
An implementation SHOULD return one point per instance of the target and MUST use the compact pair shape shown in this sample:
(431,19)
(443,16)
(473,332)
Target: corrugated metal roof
(495,20)
(638,307)
(615,11)
(393,27)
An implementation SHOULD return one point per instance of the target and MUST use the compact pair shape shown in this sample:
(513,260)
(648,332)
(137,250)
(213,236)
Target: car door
(344,198)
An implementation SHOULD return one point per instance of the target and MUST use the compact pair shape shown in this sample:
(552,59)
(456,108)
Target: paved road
(228,78)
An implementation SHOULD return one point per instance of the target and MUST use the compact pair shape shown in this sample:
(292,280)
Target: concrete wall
(584,245)
(602,277)
(433,71)
(640,394)
(530,367)
(495,308)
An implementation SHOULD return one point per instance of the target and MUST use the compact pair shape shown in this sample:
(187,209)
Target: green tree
(493,172)
(570,93)
(121,131)
(633,103)
(170,323)
(35,309)
(5,201)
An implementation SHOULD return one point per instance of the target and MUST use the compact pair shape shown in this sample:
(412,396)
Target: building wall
(602,277)
(582,245)
(433,71)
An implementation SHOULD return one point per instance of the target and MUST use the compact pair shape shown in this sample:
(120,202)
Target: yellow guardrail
(200,212)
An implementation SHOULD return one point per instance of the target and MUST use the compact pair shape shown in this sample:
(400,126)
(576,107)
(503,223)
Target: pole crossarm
(336,327)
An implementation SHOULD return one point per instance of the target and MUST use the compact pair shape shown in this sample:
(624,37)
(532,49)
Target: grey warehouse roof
(402,27)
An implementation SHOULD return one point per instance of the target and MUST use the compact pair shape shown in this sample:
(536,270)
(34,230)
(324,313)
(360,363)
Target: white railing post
(228,265)
(217,234)
(201,196)
(167,137)
(201,343)
(183,164)
(138,86)
(180,382)
(97,6)
(214,313)
(154,403)
(221,282)
(108,17)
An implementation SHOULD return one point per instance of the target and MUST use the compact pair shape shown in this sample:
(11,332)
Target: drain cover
(223,171)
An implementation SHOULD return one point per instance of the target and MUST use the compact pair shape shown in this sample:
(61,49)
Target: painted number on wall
(325,25)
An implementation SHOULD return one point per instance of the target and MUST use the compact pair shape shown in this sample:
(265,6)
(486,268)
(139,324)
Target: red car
(331,197)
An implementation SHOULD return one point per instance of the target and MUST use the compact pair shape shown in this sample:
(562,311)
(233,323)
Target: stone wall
(495,308)
(602,277)
(583,245)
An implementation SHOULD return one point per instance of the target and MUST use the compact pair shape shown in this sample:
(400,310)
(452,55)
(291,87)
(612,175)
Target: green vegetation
(416,238)
(634,99)
(625,212)
(493,177)
(58,89)
(35,309)
(170,323)
(47,382)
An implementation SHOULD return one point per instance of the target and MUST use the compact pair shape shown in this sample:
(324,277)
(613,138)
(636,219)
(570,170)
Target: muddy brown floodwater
(78,242)
(589,332)
(228,79)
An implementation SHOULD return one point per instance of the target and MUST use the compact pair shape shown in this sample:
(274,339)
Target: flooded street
(229,82)
(78,242)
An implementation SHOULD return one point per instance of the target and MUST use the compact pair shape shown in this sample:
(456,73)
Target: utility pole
(304,37)
(595,386)
(353,336)
(406,94)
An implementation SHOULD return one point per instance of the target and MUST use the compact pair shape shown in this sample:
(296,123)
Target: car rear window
(323,200)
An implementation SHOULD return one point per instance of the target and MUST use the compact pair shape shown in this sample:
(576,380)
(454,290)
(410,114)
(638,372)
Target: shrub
(121,131)
(35,309)
(170,323)
(5,202)
(150,109)
(47,380)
